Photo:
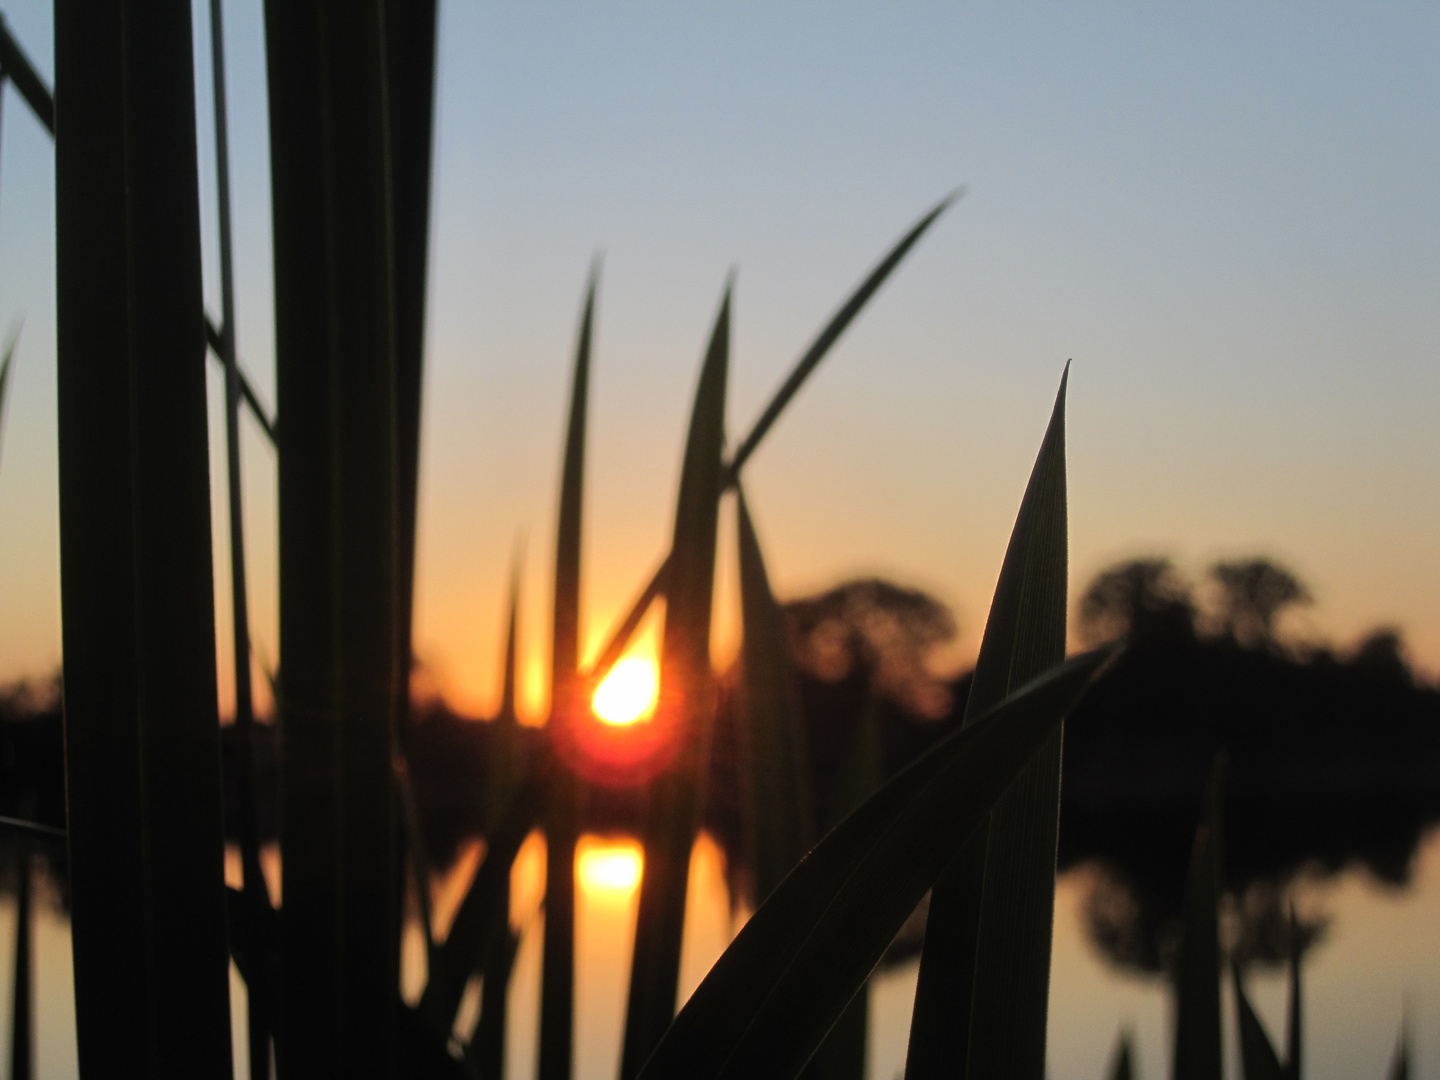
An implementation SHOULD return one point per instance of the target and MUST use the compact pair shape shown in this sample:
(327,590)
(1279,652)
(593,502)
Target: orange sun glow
(609,867)
(628,692)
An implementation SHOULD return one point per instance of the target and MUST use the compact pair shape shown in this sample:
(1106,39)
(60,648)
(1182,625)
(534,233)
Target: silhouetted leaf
(778,824)
(1400,1062)
(809,360)
(1257,1054)
(673,804)
(1293,1031)
(1123,1067)
(484,915)
(775,992)
(5,364)
(831,334)
(1198,1039)
(562,825)
(983,990)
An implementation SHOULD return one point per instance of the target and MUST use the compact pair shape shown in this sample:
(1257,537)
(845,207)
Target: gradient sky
(1227,216)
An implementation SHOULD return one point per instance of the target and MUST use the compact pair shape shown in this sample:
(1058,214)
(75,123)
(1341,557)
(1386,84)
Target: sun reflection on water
(608,868)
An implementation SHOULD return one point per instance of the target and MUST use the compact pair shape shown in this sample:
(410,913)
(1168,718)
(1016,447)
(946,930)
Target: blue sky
(1226,215)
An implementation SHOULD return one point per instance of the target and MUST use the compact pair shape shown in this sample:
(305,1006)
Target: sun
(609,867)
(628,693)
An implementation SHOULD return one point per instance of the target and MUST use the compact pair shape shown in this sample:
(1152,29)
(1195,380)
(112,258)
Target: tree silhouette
(1253,592)
(1141,598)
(886,628)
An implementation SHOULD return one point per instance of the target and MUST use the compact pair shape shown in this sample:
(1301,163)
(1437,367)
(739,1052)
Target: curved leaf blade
(772,996)
(672,814)
(1258,1060)
(982,997)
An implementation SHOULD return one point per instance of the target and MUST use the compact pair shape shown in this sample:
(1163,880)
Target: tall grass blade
(673,800)
(778,988)
(410,74)
(1198,1038)
(137,599)
(257,895)
(619,639)
(486,1050)
(831,334)
(779,825)
(5,378)
(1294,1034)
(1258,1060)
(506,770)
(247,392)
(1400,1061)
(983,990)
(562,824)
(1123,1067)
(48,835)
(22,1000)
(483,917)
(22,73)
(339,526)
(843,1054)
(808,362)
(417,852)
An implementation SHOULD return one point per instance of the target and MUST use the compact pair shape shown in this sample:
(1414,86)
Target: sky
(1225,215)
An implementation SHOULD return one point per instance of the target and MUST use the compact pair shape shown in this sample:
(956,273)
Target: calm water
(1380,959)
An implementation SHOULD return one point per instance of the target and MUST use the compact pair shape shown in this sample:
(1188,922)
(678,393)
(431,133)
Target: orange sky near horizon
(1226,218)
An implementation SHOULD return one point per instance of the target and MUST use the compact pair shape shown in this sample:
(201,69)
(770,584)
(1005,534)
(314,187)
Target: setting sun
(609,867)
(628,692)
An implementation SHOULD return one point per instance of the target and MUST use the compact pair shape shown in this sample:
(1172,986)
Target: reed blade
(562,824)
(809,360)
(146,839)
(1198,1037)
(22,994)
(1258,1060)
(673,800)
(1294,1034)
(340,625)
(22,73)
(827,337)
(983,991)
(1400,1060)
(484,914)
(779,824)
(787,976)
(5,373)
(1123,1067)
(410,89)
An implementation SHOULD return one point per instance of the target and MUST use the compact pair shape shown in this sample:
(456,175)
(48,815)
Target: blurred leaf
(983,991)
(1198,1039)
(1400,1062)
(673,802)
(423,1055)
(484,915)
(1257,1054)
(831,334)
(5,362)
(843,1054)
(562,825)
(1293,1029)
(1124,1066)
(565,642)
(778,988)
(778,823)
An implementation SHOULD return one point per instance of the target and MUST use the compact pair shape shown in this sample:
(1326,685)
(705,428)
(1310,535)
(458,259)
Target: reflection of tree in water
(1332,762)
